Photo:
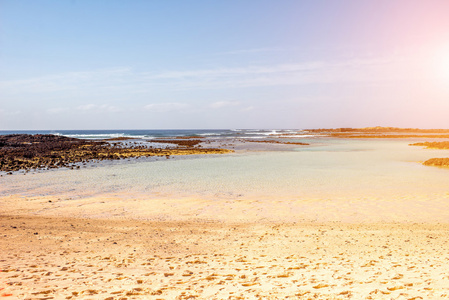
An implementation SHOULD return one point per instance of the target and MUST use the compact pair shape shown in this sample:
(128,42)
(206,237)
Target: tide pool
(329,168)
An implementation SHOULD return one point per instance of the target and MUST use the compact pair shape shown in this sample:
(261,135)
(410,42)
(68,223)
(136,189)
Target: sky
(200,64)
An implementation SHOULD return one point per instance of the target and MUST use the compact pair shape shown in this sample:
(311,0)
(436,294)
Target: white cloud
(232,72)
(111,108)
(98,108)
(10,112)
(380,69)
(125,81)
(221,104)
(249,108)
(56,110)
(87,107)
(251,51)
(66,81)
(166,107)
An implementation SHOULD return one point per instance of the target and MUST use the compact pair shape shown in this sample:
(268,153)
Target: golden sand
(98,259)
(45,254)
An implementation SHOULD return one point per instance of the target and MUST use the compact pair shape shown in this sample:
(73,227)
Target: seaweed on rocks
(46,151)
(437,162)
(179,142)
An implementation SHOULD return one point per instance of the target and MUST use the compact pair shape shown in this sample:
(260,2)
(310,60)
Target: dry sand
(49,254)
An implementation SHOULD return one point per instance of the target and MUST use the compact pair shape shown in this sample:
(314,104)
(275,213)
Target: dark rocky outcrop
(25,152)
(179,142)
(438,162)
(277,142)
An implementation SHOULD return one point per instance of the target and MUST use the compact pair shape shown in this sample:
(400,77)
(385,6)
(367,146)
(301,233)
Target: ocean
(151,133)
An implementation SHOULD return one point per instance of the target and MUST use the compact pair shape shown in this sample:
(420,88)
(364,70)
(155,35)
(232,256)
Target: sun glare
(441,66)
(444,68)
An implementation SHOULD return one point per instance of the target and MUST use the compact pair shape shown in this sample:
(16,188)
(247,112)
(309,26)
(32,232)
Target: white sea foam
(260,132)
(300,135)
(101,136)
(209,134)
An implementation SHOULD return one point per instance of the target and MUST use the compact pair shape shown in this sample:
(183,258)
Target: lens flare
(441,65)
(444,68)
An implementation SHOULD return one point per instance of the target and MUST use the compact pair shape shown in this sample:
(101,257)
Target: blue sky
(223,64)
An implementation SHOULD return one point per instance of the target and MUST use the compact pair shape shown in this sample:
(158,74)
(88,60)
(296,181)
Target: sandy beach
(68,258)
(377,235)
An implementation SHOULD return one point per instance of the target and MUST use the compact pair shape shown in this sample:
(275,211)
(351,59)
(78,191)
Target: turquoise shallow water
(329,168)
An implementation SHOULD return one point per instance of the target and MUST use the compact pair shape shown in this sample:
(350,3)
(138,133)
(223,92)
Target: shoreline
(165,208)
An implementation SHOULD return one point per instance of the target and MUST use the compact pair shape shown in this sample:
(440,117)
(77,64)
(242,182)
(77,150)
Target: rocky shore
(433,145)
(28,152)
(437,162)
(277,142)
(381,132)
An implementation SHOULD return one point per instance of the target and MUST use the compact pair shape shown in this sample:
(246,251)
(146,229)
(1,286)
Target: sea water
(149,133)
(327,169)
